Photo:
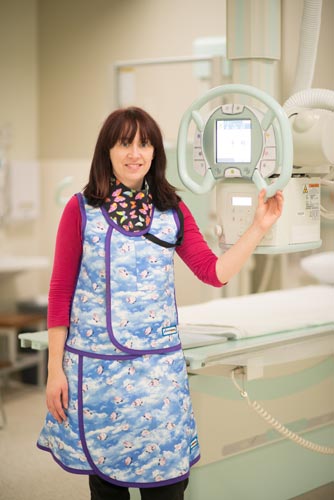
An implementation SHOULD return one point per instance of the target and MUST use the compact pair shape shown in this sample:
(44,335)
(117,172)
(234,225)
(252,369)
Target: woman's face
(131,161)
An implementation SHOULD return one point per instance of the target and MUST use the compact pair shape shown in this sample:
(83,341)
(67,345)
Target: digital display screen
(241,201)
(233,141)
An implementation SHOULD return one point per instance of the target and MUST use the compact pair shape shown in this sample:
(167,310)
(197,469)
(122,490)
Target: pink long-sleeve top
(194,251)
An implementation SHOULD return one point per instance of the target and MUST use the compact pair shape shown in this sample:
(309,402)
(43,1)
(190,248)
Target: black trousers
(103,490)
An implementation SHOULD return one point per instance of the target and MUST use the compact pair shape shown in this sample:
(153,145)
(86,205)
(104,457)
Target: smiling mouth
(134,165)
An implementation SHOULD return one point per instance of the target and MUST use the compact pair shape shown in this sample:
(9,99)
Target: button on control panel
(199,163)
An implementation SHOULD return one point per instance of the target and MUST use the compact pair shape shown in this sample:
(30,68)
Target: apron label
(169,330)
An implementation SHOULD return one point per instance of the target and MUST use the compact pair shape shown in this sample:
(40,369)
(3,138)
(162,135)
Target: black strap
(180,234)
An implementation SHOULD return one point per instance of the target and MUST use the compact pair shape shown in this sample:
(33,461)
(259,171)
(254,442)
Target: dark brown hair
(122,125)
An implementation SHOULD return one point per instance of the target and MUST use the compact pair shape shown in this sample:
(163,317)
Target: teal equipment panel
(237,142)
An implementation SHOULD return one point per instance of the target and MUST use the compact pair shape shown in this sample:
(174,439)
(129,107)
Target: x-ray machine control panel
(233,144)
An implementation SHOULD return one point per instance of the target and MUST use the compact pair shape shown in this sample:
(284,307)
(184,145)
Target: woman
(117,389)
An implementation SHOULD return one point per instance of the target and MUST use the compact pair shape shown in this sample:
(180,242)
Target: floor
(25,472)
(324,493)
(29,474)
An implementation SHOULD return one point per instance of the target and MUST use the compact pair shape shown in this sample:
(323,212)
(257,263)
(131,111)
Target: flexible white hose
(308,44)
(325,450)
(310,98)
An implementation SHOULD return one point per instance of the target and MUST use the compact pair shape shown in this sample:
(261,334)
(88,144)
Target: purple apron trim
(68,469)
(113,339)
(88,354)
(89,458)
(119,483)
(193,462)
(177,222)
(155,484)
(176,219)
(80,418)
(81,201)
(82,211)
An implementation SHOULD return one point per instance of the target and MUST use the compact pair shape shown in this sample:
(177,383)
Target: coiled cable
(277,425)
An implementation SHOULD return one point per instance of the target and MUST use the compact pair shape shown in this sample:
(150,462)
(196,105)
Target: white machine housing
(233,144)
(243,149)
(299,225)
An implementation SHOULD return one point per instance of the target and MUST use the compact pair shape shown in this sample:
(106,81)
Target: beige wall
(19,98)
(79,42)
(19,105)
(56,61)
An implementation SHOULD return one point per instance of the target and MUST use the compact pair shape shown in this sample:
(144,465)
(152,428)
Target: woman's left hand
(268,211)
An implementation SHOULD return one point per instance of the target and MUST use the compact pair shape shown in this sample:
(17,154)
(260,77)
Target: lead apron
(130,417)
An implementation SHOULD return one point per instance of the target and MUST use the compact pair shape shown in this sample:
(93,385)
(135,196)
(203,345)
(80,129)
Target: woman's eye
(142,144)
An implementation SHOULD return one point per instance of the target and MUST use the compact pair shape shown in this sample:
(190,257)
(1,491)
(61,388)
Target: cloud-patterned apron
(130,417)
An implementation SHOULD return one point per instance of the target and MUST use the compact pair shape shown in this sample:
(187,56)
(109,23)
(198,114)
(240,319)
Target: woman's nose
(134,150)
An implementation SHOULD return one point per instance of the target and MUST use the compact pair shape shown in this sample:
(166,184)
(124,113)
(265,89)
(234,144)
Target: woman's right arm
(57,386)
(62,286)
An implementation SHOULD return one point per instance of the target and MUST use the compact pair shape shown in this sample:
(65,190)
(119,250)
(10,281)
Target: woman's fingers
(56,404)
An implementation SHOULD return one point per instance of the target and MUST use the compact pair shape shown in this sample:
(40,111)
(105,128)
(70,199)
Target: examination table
(272,351)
